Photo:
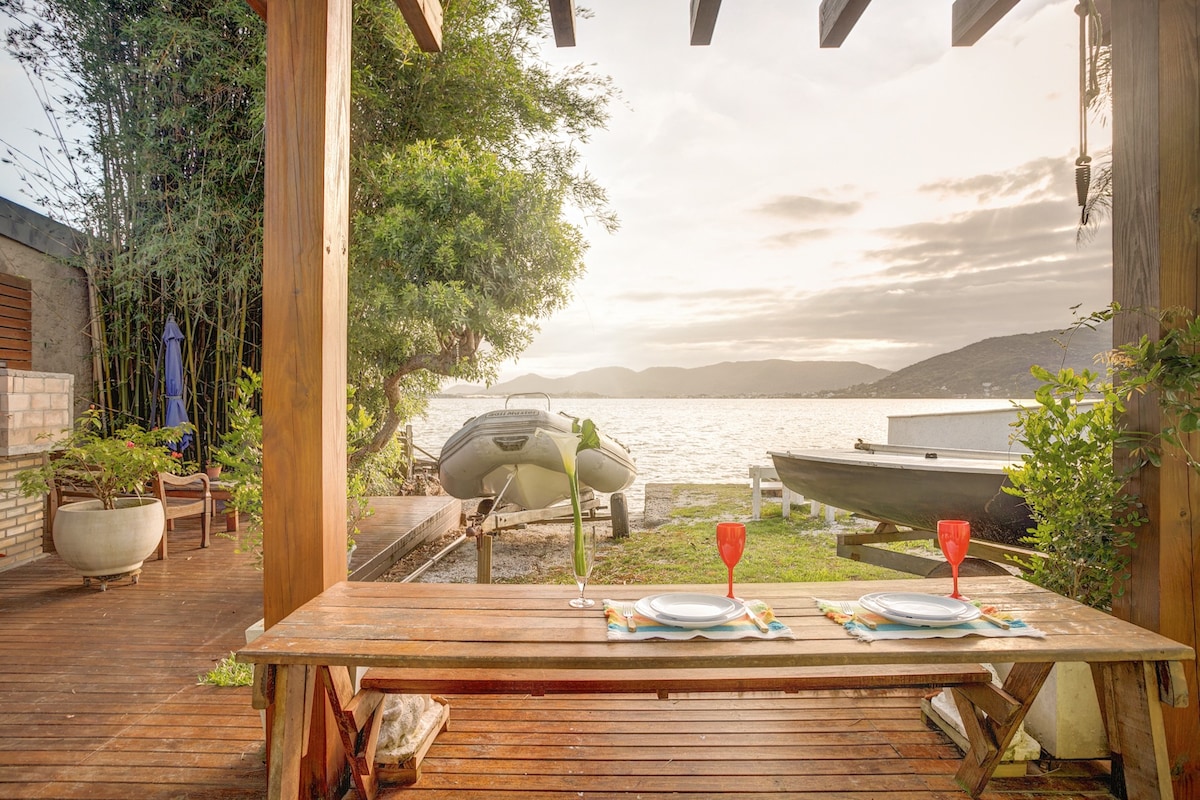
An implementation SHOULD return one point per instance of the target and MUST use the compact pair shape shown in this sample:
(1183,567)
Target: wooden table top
(511,626)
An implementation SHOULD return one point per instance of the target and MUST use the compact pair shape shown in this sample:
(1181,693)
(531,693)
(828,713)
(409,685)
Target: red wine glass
(954,535)
(731,541)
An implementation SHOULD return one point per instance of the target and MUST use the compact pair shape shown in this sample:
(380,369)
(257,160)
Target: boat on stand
(914,487)
(510,456)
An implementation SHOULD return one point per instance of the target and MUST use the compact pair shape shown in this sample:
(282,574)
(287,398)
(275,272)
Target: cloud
(794,238)
(932,286)
(1036,178)
(804,208)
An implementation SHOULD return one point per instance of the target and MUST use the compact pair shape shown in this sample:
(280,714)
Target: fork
(627,611)
(847,608)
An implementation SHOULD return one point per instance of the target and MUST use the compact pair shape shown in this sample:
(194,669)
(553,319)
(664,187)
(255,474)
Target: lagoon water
(701,440)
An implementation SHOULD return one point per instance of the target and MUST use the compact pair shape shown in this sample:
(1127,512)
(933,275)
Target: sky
(881,202)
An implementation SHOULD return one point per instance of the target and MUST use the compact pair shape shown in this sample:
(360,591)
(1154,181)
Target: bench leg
(990,719)
(359,718)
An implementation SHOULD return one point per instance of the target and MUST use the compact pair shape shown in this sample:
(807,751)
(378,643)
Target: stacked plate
(917,609)
(683,610)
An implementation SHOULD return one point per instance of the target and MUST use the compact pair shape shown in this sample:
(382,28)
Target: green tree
(466,176)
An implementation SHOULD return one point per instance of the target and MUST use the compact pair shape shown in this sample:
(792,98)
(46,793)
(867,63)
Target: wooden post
(1156,261)
(305,236)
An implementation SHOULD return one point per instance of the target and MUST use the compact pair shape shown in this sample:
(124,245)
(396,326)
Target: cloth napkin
(740,628)
(886,629)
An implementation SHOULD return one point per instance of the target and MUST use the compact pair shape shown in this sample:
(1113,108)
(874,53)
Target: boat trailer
(490,519)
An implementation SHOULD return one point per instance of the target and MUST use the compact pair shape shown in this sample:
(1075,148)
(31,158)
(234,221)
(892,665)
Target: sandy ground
(529,551)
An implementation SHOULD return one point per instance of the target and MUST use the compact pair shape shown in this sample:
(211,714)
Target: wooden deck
(99,701)
(397,527)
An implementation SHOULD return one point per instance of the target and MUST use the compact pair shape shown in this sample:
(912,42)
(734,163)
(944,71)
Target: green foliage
(240,456)
(1168,366)
(1084,516)
(465,168)
(228,672)
(111,466)
(167,181)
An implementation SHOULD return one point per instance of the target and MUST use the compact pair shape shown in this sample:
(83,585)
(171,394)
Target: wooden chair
(184,496)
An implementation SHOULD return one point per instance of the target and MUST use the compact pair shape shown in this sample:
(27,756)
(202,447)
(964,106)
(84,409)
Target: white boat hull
(510,448)
(911,486)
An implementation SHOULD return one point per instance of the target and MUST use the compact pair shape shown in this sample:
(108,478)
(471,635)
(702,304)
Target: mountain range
(995,367)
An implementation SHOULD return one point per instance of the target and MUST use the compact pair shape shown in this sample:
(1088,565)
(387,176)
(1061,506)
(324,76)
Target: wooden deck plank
(716,747)
(98,701)
(397,526)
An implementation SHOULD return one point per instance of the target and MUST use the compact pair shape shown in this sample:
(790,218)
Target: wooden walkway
(397,527)
(99,701)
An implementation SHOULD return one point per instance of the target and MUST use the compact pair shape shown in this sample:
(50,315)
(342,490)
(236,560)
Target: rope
(1083,164)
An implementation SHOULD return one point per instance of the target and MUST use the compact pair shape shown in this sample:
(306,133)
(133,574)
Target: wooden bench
(539,682)
(177,505)
(359,715)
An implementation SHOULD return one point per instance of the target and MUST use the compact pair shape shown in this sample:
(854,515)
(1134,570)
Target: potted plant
(113,533)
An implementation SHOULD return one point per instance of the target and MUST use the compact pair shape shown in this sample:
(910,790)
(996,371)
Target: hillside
(997,367)
(772,378)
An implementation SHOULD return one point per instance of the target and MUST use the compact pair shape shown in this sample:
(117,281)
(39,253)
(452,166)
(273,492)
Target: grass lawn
(684,550)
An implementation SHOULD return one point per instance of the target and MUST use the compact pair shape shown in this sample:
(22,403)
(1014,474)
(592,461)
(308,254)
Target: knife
(757,620)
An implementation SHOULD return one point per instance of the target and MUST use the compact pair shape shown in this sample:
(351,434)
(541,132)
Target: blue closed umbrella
(175,411)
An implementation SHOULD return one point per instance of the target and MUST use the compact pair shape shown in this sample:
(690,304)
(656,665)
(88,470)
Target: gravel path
(522,552)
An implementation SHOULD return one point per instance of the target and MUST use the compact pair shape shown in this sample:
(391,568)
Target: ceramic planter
(1065,716)
(107,542)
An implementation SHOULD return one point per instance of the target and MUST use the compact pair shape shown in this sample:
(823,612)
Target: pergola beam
(838,18)
(424,18)
(704,20)
(971,19)
(562,16)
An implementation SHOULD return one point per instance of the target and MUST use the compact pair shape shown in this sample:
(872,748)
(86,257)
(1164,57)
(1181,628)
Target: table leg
(1129,699)
(288,731)
(990,717)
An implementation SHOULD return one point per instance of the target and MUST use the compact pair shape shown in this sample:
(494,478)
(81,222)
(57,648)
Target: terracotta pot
(213,471)
(99,541)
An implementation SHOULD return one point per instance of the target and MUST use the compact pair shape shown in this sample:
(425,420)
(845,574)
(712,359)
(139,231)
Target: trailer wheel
(620,515)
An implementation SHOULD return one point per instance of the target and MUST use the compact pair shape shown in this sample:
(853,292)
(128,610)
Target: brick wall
(35,408)
(22,519)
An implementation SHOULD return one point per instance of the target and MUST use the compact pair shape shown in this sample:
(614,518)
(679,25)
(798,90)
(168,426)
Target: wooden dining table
(465,631)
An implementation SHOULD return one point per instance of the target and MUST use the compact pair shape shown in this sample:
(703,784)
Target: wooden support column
(304,302)
(1156,264)
(305,234)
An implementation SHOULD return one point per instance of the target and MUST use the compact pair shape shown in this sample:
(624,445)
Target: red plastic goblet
(954,535)
(731,541)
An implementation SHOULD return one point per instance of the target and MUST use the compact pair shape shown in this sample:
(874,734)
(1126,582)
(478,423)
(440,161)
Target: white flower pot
(1065,716)
(97,541)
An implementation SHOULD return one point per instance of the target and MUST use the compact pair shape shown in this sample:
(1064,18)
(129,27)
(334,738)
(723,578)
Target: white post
(755,493)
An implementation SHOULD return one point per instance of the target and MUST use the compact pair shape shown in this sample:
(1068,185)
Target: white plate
(644,608)
(893,609)
(921,606)
(692,607)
